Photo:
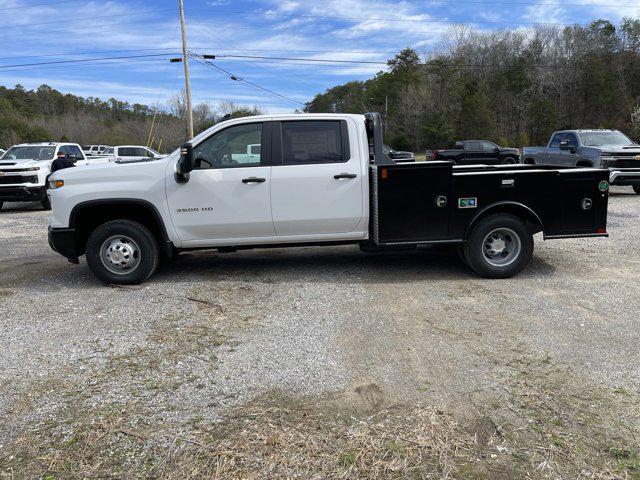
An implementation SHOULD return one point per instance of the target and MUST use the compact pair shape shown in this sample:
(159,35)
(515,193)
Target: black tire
(1,205)
(529,161)
(509,161)
(510,231)
(129,242)
(46,203)
(636,188)
(460,252)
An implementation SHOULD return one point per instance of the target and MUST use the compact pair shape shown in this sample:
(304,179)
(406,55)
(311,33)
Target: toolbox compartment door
(576,190)
(408,209)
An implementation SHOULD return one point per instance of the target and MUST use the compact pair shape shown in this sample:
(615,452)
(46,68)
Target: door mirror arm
(185,163)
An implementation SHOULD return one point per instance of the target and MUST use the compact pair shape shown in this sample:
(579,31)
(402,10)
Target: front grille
(625,163)
(15,170)
(17,179)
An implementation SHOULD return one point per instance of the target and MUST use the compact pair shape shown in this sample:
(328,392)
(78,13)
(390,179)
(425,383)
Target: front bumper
(23,194)
(63,241)
(625,177)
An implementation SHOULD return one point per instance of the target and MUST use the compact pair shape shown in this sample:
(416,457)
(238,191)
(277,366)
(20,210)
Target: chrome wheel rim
(120,254)
(501,247)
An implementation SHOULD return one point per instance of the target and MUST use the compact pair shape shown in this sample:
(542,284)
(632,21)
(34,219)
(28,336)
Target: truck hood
(22,163)
(110,172)
(618,149)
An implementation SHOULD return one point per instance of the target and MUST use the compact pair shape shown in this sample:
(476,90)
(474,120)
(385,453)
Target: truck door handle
(345,175)
(253,180)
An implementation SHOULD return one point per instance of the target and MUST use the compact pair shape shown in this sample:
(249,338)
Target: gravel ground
(331,327)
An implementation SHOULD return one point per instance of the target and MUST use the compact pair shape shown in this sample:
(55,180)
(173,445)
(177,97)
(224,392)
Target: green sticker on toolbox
(471,202)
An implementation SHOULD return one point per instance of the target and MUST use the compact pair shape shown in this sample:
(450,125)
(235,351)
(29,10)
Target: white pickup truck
(24,170)
(317,179)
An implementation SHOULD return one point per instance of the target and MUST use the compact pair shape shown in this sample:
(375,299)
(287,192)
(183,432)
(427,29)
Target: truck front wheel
(499,246)
(122,252)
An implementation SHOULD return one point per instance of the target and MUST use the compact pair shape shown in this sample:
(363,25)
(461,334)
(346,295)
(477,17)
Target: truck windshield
(595,139)
(29,153)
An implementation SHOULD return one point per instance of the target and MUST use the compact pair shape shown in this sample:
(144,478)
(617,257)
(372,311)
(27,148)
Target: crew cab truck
(24,170)
(609,149)
(476,152)
(320,179)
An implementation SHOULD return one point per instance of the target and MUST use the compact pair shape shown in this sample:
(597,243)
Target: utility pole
(187,80)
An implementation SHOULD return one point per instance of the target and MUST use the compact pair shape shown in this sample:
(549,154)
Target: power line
(233,77)
(295,50)
(217,40)
(65,54)
(479,2)
(69,20)
(313,60)
(38,5)
(242,80)
(97,62)
(430,63)
(410,20)
(84,60)
(292,15)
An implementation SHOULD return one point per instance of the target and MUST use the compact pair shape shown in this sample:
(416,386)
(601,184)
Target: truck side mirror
(566,145)
(185,163)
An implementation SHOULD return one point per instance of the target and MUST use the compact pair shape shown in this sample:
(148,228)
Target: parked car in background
(610,149)
(476,152)
(94,150)
(24,170)
(131,153)
(399,155)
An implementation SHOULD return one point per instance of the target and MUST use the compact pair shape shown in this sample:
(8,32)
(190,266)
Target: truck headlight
(607,160)
(53,184)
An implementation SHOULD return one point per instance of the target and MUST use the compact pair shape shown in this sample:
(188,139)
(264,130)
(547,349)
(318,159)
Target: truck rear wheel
(122,252)
(636,188)
(499,246)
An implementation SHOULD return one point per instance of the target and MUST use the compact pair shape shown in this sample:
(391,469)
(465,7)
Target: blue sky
(36,31)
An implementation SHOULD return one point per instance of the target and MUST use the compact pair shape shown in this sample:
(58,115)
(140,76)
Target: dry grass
(273,443)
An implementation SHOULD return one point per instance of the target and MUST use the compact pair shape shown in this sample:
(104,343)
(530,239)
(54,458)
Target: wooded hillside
(45,114)
(512,87)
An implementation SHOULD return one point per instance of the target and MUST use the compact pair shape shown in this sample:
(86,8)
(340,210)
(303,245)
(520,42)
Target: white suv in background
(131,153)
(94,150)
(24,170)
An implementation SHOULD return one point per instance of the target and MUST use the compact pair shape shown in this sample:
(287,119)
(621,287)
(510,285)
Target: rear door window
(74,150)
(487,146)
(311,142)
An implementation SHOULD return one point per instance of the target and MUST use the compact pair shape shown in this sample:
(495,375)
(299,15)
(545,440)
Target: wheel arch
(87,216)
(514,208)
(583,162)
